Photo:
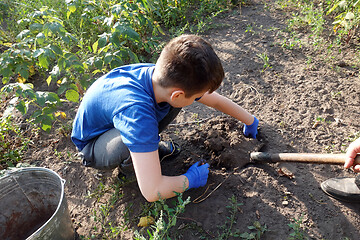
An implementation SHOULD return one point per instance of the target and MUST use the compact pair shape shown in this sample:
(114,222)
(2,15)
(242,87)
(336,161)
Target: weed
(336,95)
(196,118)
(298,233)
(353,137)
(258,231)
(330,149)
(166,218)
(309,16)
(320,119)
(250,29)
(347,19)
(265,58)
(226,229)
(13,143)
(291,42)
(104,228)
(99,192)
(308,61)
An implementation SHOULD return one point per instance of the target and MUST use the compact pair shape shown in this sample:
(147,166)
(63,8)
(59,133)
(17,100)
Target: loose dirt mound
(219,141)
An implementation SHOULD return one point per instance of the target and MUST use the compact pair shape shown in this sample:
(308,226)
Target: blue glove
(251,130)
(197,175)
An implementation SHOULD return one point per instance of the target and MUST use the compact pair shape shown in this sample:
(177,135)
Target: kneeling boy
(122,113)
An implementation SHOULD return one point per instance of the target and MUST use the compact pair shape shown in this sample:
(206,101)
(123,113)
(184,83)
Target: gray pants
(107,151)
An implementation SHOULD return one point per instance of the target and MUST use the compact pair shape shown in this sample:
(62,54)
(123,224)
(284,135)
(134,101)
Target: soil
(307,101)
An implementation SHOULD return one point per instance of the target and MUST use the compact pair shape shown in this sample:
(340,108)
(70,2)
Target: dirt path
(306,102)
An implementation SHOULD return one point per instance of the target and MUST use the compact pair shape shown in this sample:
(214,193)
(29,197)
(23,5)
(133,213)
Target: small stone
(181,226)
(342,64)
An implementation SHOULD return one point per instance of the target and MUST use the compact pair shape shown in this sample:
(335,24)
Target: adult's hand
(351,153)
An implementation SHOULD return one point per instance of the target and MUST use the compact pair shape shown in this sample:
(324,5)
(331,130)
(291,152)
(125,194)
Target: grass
(13,143)
(104,226)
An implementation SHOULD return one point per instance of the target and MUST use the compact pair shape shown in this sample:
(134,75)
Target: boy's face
(179,100)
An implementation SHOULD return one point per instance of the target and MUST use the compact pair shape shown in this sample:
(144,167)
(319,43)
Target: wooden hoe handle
(338,159)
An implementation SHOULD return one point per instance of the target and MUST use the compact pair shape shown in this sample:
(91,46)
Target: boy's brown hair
(190,63)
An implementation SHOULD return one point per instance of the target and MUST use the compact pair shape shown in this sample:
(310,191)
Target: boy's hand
(197,175)
(251,130)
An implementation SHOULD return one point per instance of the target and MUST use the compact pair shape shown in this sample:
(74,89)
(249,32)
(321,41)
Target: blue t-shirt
(123,99)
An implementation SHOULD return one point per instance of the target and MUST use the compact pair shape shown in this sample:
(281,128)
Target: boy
(122,113)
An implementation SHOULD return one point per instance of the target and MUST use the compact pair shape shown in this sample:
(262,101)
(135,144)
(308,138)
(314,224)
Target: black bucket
(33,206)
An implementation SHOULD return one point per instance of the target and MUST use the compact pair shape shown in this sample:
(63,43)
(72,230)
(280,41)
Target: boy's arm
(227,106)
(153,185)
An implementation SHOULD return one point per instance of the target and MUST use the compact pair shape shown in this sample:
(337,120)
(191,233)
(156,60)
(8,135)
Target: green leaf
(61,64)
(117,9)
(21,106)
(30,94)
(23,34)
(5,72)
(36,114)
(49,53)
(56,27)
(48,111)
(24,72)
(72,95)
(53,98)
(115,39)
(73,86)
(108,58)
(36,27)
(62,89)
(40,98)
(71,37)
(56,49)
(43,61)
(46,122)
(40,38)
(98,63)
(128,32)
(66,39)
(38,52)
(133,57)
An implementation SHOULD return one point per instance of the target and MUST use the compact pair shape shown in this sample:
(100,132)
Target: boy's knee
(106,152)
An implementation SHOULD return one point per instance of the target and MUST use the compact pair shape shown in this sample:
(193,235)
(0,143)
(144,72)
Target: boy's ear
(176,94)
